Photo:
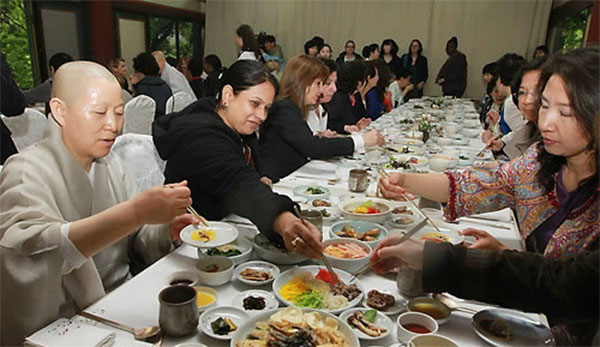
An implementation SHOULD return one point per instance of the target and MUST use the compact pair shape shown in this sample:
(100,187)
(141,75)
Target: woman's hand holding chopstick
(390,254)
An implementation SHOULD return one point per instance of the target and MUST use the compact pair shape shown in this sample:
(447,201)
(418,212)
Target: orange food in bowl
(345,251)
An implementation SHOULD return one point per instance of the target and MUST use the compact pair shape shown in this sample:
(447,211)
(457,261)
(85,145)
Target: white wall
(485,28)
(132,39)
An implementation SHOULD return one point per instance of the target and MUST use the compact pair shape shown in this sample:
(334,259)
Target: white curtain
(486,29)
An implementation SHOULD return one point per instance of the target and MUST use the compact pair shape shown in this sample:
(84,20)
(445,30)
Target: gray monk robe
(41,189)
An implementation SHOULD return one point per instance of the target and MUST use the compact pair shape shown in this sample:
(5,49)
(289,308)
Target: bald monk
(175,79)
(71,220)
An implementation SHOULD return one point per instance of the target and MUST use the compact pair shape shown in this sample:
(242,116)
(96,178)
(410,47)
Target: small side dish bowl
(347,245)
(215,271)
(206,298)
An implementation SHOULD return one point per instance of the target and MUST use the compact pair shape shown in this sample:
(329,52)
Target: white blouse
(247,55)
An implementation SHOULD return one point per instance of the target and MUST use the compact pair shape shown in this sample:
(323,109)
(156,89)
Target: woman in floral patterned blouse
(553,187)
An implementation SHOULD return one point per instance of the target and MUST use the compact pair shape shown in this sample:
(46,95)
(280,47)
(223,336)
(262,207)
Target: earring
(224,105)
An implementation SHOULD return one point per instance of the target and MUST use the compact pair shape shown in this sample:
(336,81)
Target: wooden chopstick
(368,266)
(202,220)
(385,175)
(486,147)
(323,259)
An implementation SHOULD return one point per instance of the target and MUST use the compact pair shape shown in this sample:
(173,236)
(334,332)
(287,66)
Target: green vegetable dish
(227,251)
(223,326)
(315,190)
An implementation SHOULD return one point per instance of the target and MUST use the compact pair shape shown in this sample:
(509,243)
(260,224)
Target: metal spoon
(453,305)
(138,333)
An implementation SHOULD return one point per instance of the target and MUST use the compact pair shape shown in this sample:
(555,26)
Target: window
(14,41)
(176,38)
(568,26)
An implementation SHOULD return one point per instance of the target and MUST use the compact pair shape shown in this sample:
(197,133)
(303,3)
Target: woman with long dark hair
(246,42)
(212,143)
(286,141)
(389,54)
(375,97)
(415,61)
(346,111)
(554,186)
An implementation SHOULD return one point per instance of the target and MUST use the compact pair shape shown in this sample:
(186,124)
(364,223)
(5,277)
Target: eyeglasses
(349,46)
(523,94)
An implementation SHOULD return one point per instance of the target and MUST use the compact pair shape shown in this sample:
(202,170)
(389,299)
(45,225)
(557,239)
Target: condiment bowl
(348,264)
(219,277)
(430,306)
(188,278)
(203,294)
(408,323)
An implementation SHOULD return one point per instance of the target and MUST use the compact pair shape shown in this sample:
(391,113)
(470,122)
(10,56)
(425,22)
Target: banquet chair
(178,102)
(139,114)
(140,158)
(27,128)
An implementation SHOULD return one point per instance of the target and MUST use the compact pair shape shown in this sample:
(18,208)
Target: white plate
(399,305)
(225,233)
(381,321)
(245,329)
(259,265)
(235,314)
(301,191)
(288,275)
(271,302)
(452,234)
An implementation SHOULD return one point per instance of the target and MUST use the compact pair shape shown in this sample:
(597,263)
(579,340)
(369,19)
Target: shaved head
(73,79)
(87,103)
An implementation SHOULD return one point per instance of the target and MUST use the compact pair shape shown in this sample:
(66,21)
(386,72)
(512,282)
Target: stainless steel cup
(178,313)
(315,217)
(358,180)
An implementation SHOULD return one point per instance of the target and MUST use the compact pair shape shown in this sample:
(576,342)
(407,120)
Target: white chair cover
(180,101)
(27,128)
(140,158)
(139,114)
(169,104)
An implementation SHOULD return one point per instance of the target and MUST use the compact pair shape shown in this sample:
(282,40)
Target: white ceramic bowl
(445,141)
(259,265)
(422,161)
(242,332)
(344,276)
(471,123)
(451,128)
(439,164)
(414,318)
(381,321)
(191,278)
(242,244)
(208,291)
(433,340)
(303,192)
(360,226)
(350,265)
(215,278)
(264,249)
(347,207)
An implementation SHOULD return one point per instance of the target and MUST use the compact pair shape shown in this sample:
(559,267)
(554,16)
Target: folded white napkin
(71,332)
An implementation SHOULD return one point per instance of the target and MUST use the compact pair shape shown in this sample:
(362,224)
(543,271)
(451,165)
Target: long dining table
(135,303)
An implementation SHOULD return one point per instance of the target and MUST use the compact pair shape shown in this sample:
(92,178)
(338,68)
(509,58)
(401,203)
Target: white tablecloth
(135,303)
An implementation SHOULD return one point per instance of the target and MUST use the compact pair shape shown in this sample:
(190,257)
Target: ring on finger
(295,241)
